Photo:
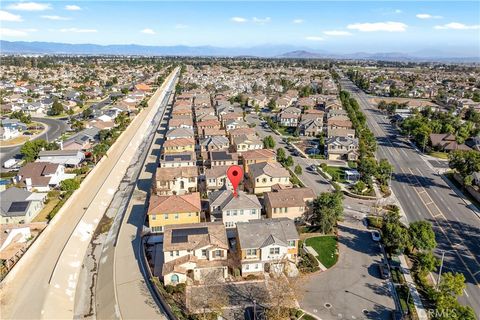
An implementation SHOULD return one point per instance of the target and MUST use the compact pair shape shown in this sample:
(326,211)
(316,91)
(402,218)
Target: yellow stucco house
(179,145)
(173,209)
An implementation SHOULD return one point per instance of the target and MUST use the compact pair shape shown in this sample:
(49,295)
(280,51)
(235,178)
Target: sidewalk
(422,314)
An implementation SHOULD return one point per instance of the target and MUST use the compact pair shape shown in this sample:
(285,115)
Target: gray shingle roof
(260,233)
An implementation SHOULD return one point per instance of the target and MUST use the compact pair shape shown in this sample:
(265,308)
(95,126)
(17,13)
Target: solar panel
(220,155)
(181,235)
(18,206)
(182,157)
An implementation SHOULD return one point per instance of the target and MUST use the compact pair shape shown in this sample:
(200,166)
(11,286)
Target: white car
(375,235)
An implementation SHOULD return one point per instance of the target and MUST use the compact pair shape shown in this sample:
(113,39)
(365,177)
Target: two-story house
(177,180)
(262,176)
(244,143)
(194,252)
(225,207)
(267,245)
(222,158)
(179,145)
(175,160)
(341,148)
(292,203)
(41,176)
(257,156)
(177,133)
(173,209)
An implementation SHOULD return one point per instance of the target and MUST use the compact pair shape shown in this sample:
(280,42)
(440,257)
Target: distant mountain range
(267,51)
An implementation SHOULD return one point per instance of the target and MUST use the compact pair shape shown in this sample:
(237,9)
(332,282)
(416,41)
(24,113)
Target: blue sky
(333,26)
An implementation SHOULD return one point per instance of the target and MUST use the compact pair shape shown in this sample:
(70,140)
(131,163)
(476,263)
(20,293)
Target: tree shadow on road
(358,240)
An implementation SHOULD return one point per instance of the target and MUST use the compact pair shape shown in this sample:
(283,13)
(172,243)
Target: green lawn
(286,131)
(326,248)
(437,154)
(337,171)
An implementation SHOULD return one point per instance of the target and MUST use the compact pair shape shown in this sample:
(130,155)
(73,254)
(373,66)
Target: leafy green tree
(289,161)
(69,185)
(56,109)
(367,167)
(31,149)
(272,104)
(327,210)
(395,235)
(422,236)
(465,162)
(87,113)
(99,151)
(426,262)
(298,170)
(281,154)
(268,142)
(452,284)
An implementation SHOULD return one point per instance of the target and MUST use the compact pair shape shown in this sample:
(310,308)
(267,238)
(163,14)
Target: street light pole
(441,267)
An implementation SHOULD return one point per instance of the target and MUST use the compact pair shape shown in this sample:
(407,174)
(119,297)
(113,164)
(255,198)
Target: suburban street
(44,281)
(55,128)
(424,195)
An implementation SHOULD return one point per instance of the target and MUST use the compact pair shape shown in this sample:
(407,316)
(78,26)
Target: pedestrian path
(419,308)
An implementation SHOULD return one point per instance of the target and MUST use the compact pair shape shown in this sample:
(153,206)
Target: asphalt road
(311,179)
(353,288)
(55,130)
(424,195)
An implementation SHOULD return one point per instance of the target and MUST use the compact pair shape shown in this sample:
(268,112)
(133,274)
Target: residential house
(173,209)
(194,252)
(212,132)
(257,156)
(289,117)
(267,245)
(262,176)
(172,160)
(41,176)
(216,179)
(178,180)
(174,123)
(222,158)
(334,123)
(292,203)
(67,158)
(179,145)
(244,143)
(311,127)
(207,124)
(446,142)
(230,209)
(241,131)
(178,133)
(213,143)
(341,148)
(340,132)
(19,205)
(235,124)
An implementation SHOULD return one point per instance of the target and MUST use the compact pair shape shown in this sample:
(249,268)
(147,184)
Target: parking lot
(353,288)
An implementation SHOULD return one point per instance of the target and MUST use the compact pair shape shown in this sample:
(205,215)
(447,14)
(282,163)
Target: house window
(165,216)
(171,253)
(234,212)
(177,253)
(154,217)
(264,180)
(251,252)
(286,210)
(228,212)
(275,210)
(241,212)
(275,250)
(254,211)
(291,243)
(176,216)
(204,252)
(217,253)
(247,267)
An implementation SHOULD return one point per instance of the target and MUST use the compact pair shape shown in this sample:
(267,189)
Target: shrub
(375,222)
(251,277)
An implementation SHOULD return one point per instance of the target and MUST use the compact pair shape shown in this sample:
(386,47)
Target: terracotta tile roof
(168,174)
(208,123)
(259,154)
(293,197)
(181,142)
(174,203)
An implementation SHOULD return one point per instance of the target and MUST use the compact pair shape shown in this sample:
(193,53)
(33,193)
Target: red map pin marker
(235,175)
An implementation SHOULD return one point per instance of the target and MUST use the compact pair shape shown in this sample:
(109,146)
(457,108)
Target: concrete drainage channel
(107,230)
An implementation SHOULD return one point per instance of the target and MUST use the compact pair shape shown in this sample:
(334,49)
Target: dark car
(384,272)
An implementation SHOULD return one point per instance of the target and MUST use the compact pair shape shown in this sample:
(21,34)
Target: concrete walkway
(422,314)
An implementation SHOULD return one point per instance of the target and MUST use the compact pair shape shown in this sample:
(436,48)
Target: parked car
(375,235)
(384,272)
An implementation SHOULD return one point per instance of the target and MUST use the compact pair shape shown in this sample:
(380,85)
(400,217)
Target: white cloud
(389,26)
(5,32)
(398,11)
(337,33)
(58,18)
(427,16)
(147,31)
(458,26)
(78,30)
(180,26)
(72,7)
(298,21)
(238,19)
(261,20)
(7,16)
(314,38)
(30,6)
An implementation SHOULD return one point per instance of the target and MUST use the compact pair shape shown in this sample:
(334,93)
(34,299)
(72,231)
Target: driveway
(352,289)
